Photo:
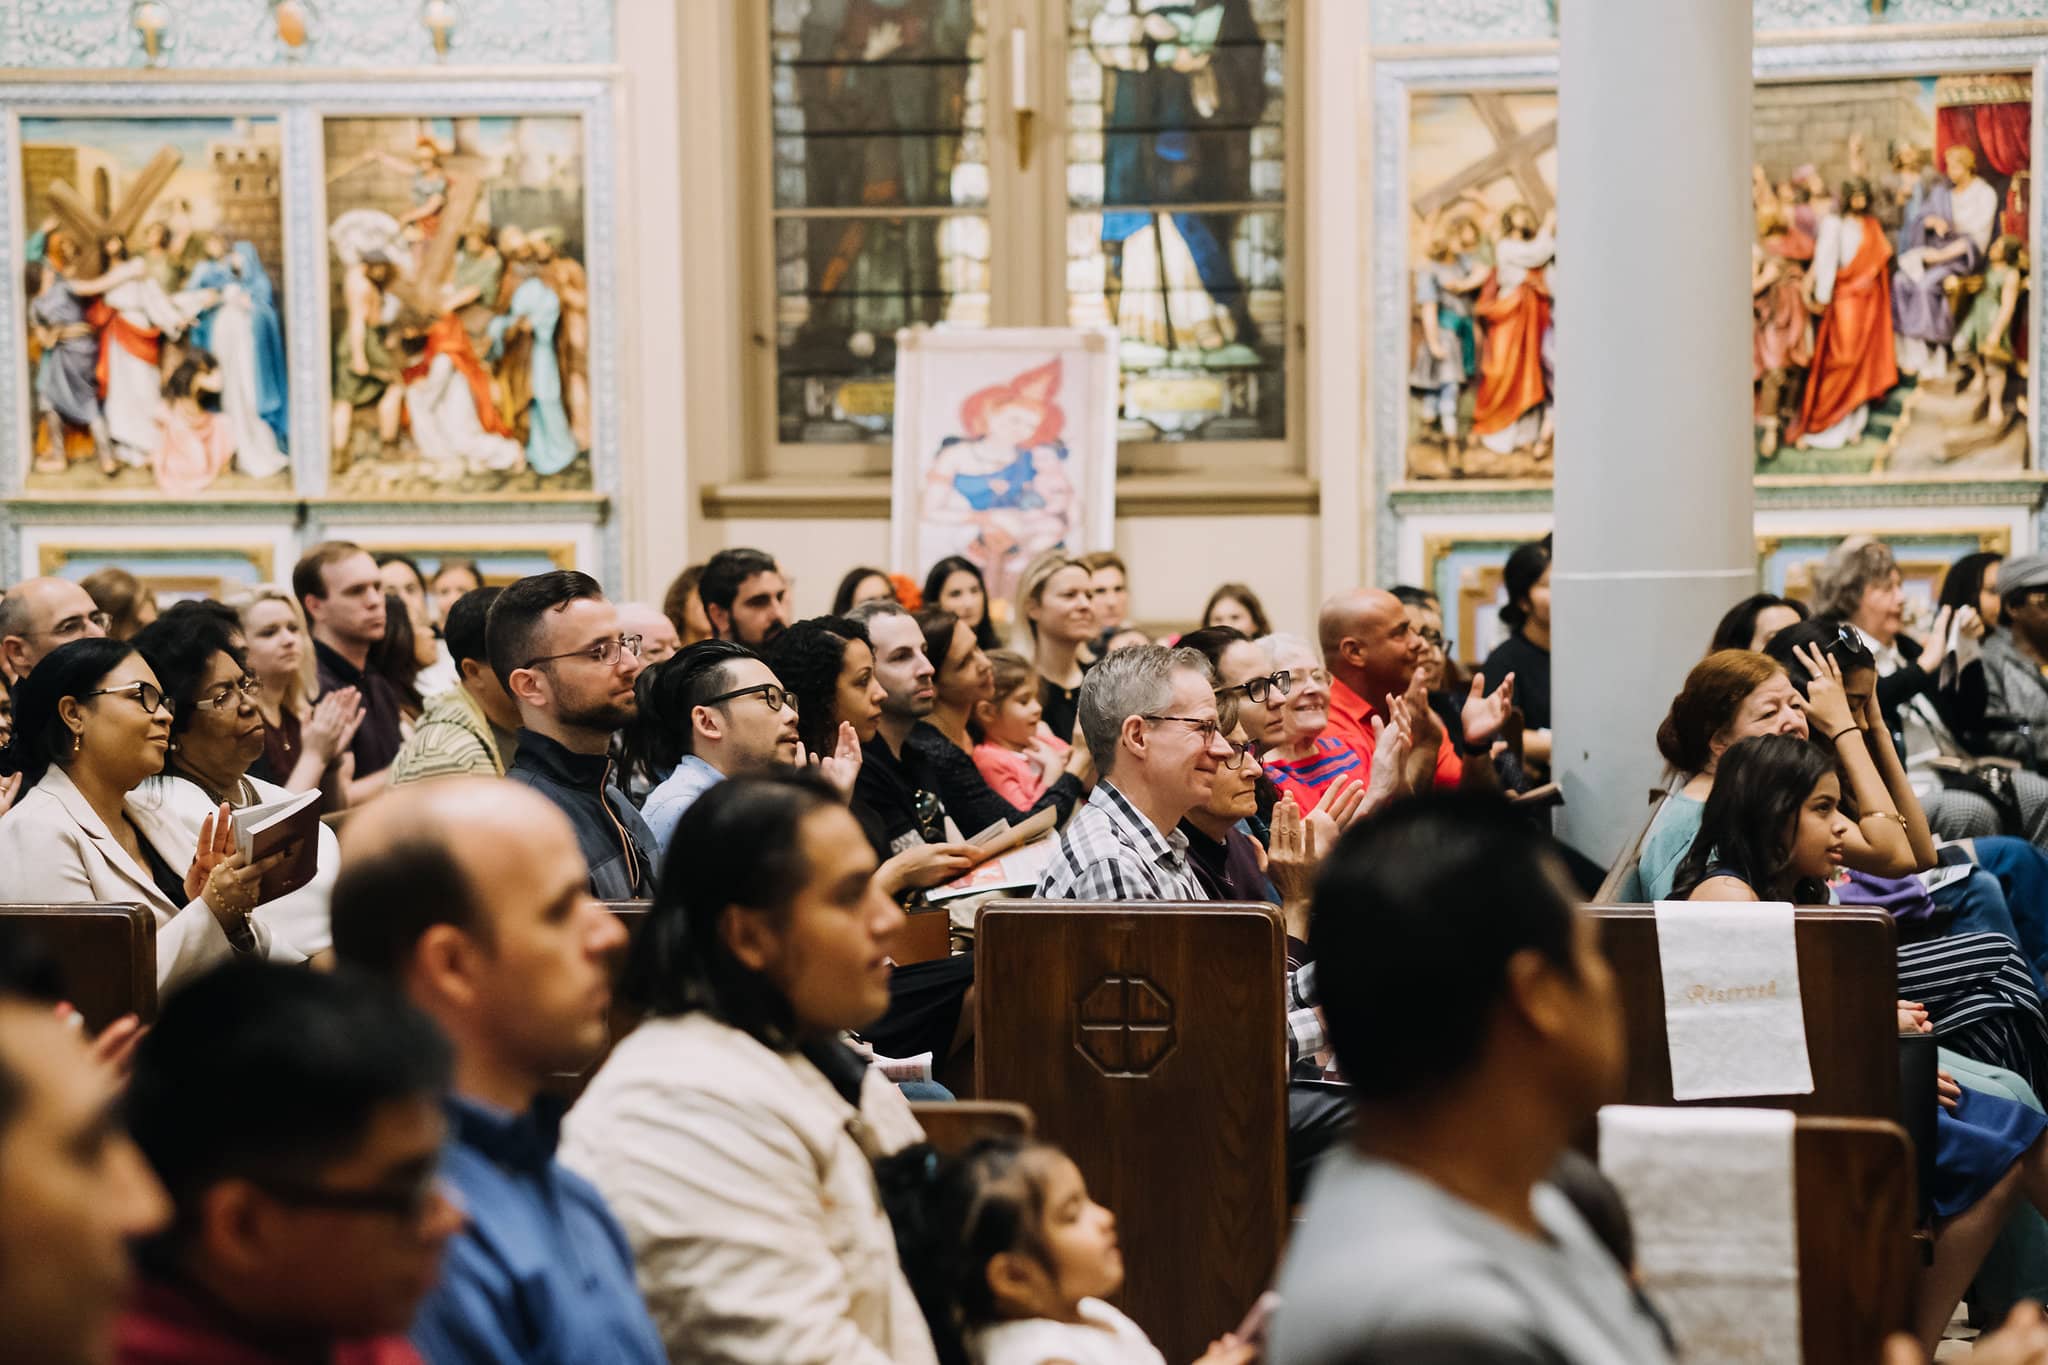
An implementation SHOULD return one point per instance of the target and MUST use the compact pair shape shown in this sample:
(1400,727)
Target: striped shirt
(452,739)
(1110,852)
(1308,778)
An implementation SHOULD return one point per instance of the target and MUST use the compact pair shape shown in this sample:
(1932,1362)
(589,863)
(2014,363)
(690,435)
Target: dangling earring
(77,742)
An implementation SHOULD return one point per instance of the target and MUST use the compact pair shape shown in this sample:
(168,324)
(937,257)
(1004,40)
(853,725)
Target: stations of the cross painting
(1514,156)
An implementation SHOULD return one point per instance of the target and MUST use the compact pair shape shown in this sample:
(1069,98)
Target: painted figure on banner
(1003,481)
(158,243)
(461,318)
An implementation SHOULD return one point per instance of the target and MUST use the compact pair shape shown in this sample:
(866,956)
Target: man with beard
(556,645)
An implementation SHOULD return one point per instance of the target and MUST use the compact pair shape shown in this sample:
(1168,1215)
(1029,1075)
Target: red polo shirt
(1351,721)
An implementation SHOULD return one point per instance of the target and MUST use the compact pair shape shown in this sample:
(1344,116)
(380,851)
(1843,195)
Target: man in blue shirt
(473,896)
(718,711)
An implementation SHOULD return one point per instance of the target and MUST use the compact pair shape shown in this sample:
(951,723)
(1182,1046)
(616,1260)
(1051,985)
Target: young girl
(1774,830)
(1015,758)
(1011,1261)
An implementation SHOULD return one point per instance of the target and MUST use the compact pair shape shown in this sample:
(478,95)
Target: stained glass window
(1176,227)
(881,186)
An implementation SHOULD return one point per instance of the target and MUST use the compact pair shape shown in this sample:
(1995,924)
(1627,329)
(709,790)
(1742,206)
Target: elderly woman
(1935,697)
(733,1133)
(1305,761)
(91,726)
(216,734)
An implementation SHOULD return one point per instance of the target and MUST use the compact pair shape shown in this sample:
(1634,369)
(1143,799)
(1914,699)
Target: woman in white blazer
(733,1133)
(216,733)
(91,723)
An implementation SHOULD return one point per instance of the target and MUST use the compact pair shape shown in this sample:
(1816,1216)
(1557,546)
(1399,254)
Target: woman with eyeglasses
(1246,677)
(940,749)
(91,725)
(1305,761)
(217,734)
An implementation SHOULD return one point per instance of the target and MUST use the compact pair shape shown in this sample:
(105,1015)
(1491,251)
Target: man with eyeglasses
(728,714)
(472,898)
(39,615)
(556,645)
(294,1117)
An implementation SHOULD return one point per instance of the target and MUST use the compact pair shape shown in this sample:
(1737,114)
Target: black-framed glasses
(774,694)
(149,695)
(229,694)
(1208,728)
(1256,690)
(408,1202)
(604,653)
(71,627)
(1238,749)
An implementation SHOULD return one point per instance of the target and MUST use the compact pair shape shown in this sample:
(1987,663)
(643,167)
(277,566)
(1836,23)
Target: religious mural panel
(1889,279)
(459,307)
(154,253)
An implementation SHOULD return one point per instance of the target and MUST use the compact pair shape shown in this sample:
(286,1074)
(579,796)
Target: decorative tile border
(1489,23)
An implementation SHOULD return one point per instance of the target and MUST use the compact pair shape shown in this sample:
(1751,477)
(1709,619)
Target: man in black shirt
(338,586)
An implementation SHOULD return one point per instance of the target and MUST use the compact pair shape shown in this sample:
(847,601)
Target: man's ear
(1540,996)
(708,722)
(720,619)
(14,657)
(445,961)
(527,685)
(230,1226)
(1132,734)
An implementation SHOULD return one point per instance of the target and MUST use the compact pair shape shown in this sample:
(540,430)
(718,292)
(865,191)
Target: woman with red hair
(1005,477)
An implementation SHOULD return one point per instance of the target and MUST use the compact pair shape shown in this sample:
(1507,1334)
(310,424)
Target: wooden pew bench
(105,955)
(1147,1040)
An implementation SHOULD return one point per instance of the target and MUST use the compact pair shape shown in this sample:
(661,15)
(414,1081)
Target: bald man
(1371,651)
(472,895)
(658,638)
(39,615)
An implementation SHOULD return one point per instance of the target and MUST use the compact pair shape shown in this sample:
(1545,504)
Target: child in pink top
(1014,756)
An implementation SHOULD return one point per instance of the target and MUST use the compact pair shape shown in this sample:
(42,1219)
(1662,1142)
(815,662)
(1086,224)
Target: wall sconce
(290,17)
(440,17)
(151,19)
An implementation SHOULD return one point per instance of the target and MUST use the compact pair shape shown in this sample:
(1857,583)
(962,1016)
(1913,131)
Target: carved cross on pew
(89,228)
(1514,155)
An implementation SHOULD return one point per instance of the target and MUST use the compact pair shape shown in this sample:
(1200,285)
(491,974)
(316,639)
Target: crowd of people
(345,1136)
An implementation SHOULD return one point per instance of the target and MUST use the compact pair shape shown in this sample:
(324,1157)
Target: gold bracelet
(1883,815)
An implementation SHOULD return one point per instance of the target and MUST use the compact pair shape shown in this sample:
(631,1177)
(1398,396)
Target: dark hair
(737,845)
(41,737)
(394,557)
(466,632)
(938,626)
(120,595)
(381,905)
(259,1072)
(394,656)
(1708,703)
(672,690)
(1417,913)
(807,658)
(1211,642)
(1963,584)
(1408,595)
(179,647)
(842,596)
(28,976)
(1840,642)
(677,598)
(516,617)
(1245,598)
(955,1214)
(1524,569)
(309,574)
(468,566)
(935,587)
(1747,826)
(185,378)
(1738,627)
(725,571)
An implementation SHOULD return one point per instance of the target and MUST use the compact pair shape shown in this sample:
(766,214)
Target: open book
(1020,867)
(262,830)
(1003,836)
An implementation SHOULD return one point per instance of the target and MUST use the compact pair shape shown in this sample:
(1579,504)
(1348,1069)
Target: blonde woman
(1055,620)
(305,744)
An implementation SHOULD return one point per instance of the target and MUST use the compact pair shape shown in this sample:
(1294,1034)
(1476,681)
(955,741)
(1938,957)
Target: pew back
(1856,1208)
(1848,984)
(105,955)
(1147,1039)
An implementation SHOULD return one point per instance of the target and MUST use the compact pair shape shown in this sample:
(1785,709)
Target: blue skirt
(1976,1144)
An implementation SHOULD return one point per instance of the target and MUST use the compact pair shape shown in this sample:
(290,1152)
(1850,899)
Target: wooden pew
(1622,886)
(1855,1209)
(1848,983)
(927,936)
(105,955)
(1147,1039)
(955,1125)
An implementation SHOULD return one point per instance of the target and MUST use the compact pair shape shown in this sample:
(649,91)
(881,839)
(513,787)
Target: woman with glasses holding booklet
(92,724)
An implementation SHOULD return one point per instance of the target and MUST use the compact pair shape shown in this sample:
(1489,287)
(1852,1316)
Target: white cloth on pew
(1711,1194)
(1732,1012)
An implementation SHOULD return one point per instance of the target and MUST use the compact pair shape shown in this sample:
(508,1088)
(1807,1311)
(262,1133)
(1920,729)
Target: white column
(1655,537)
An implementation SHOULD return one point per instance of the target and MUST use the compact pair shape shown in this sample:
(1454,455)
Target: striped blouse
(1308,778)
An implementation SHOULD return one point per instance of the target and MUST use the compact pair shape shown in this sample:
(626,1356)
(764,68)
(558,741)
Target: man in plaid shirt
(1149,716)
